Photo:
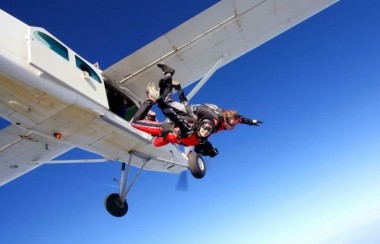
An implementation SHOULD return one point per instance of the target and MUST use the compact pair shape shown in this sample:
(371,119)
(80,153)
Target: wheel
(197,165)
(116,207)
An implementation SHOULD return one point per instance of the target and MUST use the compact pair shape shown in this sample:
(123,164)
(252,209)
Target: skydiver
(226,119)
(181,113)
(167,132)
(184,116)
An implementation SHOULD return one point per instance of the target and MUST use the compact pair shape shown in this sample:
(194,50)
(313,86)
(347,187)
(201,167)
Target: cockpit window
(85,67)
(52,44)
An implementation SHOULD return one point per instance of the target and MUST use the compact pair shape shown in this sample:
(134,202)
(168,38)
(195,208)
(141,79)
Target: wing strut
(205,78)
(100,160)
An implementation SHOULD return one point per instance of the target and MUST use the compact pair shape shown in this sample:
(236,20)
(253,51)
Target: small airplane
(56,100)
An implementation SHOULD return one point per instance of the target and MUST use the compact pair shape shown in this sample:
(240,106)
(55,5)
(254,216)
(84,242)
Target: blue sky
(310,174)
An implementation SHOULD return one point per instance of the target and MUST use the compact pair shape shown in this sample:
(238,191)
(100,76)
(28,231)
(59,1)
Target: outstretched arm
(247,121)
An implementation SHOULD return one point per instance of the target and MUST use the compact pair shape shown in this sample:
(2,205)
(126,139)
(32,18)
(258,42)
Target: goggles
(206,127)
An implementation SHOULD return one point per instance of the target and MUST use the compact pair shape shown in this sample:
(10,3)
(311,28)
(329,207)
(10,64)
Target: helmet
(205,127)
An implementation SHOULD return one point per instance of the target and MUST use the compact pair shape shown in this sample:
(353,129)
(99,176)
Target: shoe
(166,69)
(152,93)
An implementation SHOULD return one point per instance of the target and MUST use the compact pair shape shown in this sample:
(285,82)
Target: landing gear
(115,206)
(116,203)
(197,165)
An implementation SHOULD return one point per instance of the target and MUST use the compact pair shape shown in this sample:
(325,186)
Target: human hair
(230,114)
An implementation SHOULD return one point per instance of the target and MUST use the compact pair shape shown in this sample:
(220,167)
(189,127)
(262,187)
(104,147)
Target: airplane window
(85,67)
(52,44)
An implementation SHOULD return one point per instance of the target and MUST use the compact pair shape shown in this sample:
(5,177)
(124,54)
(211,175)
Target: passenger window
(85,67)
(52,44)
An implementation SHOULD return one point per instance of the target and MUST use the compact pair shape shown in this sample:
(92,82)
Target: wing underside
(22,151)
(218,35)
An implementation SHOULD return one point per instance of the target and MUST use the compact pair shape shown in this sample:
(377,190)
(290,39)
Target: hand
(152,92)
(256,122)
(166,129)
(213,152)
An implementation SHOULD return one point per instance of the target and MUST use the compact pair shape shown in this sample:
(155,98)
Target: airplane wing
(210,40)
(22,151)
(206,42)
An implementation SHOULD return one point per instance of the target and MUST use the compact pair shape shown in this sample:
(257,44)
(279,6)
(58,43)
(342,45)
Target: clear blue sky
(310,174)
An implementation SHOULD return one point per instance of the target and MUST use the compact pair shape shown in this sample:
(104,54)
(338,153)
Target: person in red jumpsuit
(167,132)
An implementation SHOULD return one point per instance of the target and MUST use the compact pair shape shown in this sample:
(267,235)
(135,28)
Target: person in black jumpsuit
(181,114)
(173,110)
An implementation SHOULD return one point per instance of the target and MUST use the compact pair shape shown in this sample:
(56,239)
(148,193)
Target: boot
(166,69)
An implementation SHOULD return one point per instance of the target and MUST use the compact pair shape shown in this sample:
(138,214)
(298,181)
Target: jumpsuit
(156,129)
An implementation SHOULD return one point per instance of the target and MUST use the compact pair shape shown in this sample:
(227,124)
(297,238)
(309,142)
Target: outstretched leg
(171,109)
(143,110)
(138,121)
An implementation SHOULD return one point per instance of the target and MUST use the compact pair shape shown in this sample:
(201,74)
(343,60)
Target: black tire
(197,165)
(114,206)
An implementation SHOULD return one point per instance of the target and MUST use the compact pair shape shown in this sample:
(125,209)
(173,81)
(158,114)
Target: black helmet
(207,124)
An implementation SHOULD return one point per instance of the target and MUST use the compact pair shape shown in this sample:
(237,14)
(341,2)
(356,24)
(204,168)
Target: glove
(185,134)
(213,152)
(167,127)
(255,122)
(203,147)
(152,92)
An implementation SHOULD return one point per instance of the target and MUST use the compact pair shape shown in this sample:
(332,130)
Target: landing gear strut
(116,204)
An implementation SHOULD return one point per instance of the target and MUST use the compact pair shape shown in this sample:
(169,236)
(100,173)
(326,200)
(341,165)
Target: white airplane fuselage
(49,90)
